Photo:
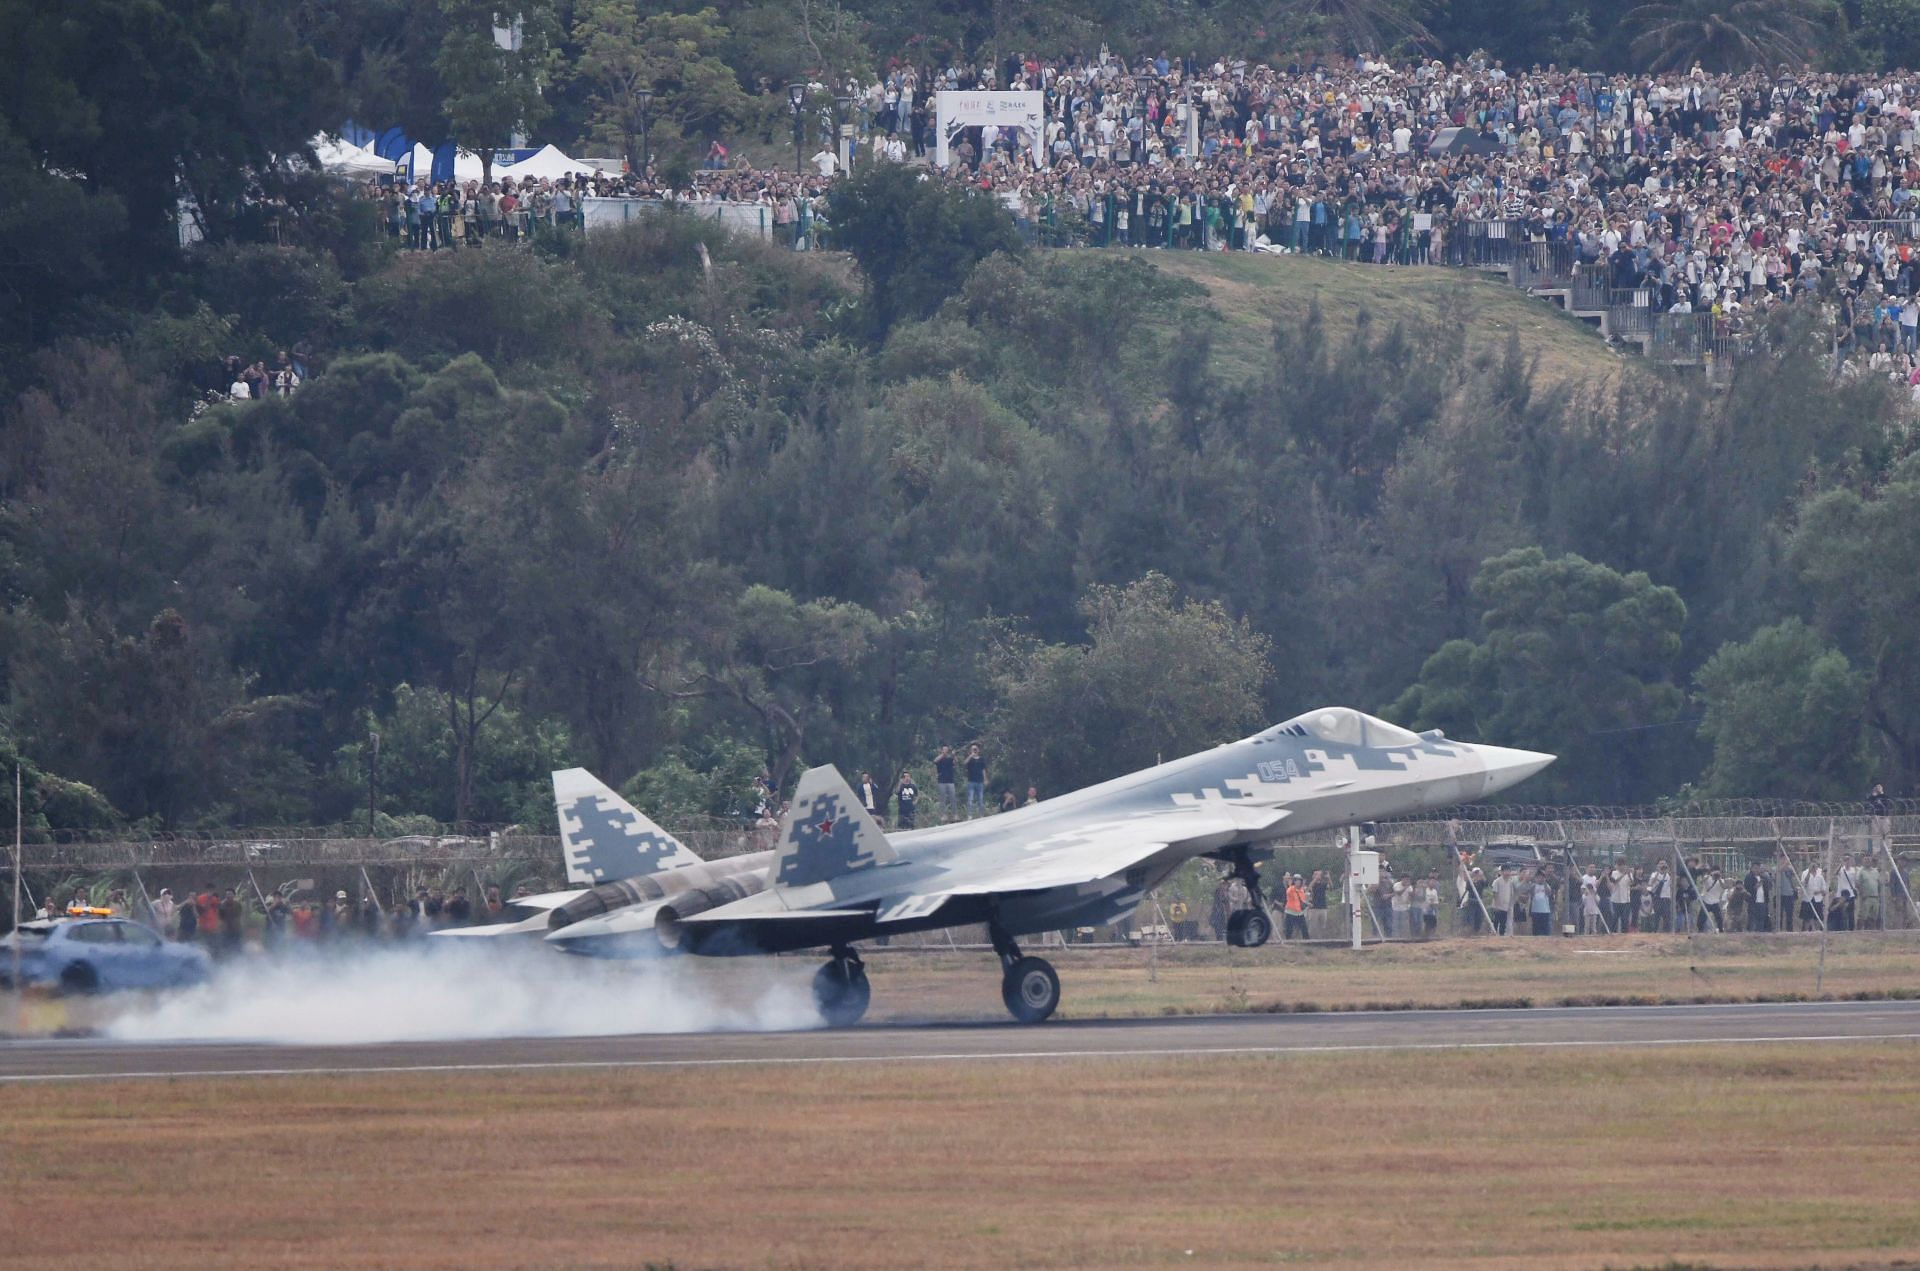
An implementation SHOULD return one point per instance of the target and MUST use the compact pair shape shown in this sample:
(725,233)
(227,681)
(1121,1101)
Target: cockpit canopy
(1344,726)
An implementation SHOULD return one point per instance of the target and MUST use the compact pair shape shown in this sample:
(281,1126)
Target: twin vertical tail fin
(826,833)
(607,839)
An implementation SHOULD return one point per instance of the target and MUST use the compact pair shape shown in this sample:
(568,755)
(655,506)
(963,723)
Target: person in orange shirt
(207,908)
(1295,917)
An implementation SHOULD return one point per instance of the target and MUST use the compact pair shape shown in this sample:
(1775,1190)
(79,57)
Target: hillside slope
(1250,291)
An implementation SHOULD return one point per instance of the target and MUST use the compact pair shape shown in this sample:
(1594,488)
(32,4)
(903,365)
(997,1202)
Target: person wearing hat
(1294,916)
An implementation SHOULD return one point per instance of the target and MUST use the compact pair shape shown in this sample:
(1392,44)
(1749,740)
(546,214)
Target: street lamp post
(797,97)
(843,130)
(644,98)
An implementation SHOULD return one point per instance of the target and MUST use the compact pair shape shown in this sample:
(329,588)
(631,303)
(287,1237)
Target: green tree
(665,66)
(916,239)
(1578,659)
(493,66)
(1359,26)
(774,661)
(1161,676)
(711,779)
(510,759)
(1786,715)
(143,103)
(1728,35)
(781,41)
(1890,31)
(1860,556)
(158,722)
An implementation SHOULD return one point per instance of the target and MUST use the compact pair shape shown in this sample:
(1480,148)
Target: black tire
(1031,990)
(841,992)
(1249,929)
(78,978)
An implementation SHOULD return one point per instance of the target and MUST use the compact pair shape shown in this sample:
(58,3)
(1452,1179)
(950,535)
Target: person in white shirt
(1660,886)
(1713,894)
(1620,889)
(1813,889)
(826,161)
(1503,894)
(1846,887)
(1402,908)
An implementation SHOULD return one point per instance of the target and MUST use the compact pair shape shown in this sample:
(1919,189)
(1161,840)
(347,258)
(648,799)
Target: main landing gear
(1249,928)
(1028,986)
(840,989)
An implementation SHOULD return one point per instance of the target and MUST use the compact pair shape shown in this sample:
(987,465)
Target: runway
(26,1062)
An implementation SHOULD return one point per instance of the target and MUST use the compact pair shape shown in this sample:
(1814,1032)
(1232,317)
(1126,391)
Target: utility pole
(1363,871)
(373,784)
(19,823)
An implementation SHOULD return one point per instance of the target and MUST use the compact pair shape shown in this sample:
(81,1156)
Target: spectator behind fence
(1540,905)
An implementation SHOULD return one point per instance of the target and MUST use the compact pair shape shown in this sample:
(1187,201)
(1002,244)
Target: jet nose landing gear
(1249,928)
(1028,986)
(840,989)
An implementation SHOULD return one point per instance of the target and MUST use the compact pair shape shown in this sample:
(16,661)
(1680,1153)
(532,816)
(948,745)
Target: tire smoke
(453,990)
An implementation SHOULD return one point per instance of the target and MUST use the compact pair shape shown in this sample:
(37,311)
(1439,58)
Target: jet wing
(1091,853)
(546,900)
(1066,858)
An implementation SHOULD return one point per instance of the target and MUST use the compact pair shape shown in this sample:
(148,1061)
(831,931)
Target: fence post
(1820,974)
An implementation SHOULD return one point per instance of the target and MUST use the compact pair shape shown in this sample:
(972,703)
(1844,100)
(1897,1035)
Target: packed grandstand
(1695,193)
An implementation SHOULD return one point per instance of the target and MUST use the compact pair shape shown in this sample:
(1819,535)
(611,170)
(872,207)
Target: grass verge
(1718,1157)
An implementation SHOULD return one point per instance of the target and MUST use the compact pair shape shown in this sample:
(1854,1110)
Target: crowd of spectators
(1666,896)
(1728,195)
(224,920)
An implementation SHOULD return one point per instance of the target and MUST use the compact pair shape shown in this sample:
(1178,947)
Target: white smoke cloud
(457,990)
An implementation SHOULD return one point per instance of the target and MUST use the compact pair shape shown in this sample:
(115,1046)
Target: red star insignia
(826,826)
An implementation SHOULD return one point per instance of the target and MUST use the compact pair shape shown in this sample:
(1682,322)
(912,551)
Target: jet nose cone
(1510,767)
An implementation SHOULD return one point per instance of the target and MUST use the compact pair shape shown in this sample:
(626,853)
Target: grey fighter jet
(1084,858)
(625,869)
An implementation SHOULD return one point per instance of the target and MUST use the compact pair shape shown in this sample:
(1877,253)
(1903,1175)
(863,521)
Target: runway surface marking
(975,1057)
(1587,1028)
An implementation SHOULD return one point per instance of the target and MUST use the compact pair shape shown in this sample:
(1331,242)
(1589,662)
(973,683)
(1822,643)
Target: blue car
(89,955)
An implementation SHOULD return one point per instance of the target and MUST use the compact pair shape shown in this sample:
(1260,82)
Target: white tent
(466,164)
(549,163)
(344,159)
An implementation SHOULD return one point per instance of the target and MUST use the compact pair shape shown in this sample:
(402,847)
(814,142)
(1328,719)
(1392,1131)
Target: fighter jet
(627,870)
(1081,859)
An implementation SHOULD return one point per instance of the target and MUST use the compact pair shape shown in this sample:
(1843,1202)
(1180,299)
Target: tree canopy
(674,504)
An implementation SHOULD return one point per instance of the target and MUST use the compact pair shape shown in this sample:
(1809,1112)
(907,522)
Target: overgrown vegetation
(675,505)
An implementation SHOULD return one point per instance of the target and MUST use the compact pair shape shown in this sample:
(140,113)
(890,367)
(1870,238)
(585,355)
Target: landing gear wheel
(841,992)
(1249,929)
(1030,989)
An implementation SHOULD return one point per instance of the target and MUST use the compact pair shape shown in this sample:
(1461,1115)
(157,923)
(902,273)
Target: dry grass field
(1195,979)
(1721,1157)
